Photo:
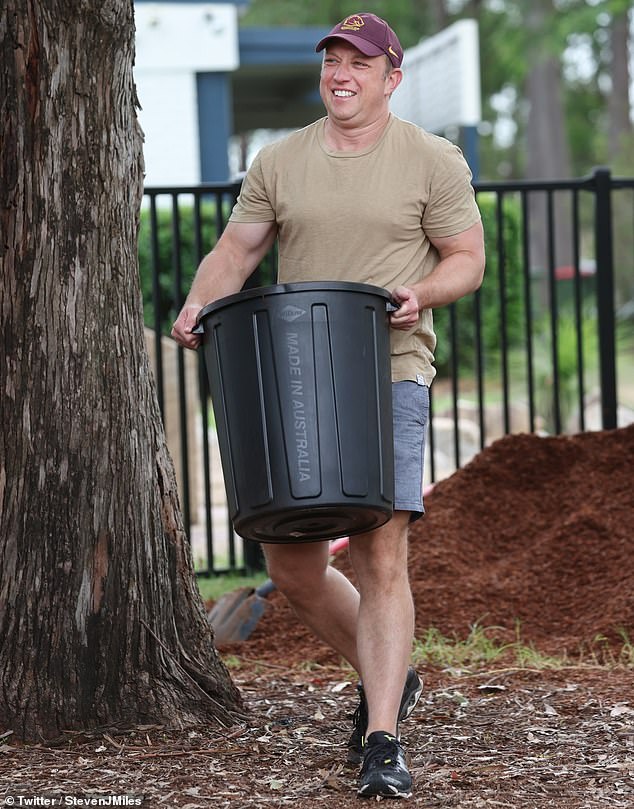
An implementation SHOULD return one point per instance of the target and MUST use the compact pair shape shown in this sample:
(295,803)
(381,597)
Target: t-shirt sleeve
(253,203)
(451,207)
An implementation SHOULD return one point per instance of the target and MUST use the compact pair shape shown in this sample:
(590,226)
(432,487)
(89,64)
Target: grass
(627,650)
(213,587)
(480,649)
(601,651)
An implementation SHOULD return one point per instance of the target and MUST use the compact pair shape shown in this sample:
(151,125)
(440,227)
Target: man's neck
(340,138)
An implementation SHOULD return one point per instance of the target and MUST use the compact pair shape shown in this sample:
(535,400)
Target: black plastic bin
(301,389)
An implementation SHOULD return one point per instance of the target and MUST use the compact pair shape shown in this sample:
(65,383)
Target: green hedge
(195,237)
(489,294)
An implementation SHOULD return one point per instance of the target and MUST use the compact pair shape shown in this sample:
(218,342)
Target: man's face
(355,88)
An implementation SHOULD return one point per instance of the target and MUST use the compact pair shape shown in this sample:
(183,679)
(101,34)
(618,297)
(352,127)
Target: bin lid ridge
(293,288)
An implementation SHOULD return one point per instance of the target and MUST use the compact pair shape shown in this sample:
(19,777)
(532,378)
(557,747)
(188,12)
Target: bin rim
(294,287)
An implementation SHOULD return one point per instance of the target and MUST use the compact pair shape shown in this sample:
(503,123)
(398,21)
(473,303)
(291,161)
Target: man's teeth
(343,93)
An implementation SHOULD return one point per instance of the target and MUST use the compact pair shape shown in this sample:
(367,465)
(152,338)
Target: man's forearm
(454,277)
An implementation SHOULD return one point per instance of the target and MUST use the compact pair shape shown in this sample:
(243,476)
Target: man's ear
(394,79)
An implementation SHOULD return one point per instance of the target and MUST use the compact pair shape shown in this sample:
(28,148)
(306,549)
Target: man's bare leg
(385,626)
(373,630)
(322,597)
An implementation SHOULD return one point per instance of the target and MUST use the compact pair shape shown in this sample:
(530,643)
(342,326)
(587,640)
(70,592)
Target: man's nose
(342,72)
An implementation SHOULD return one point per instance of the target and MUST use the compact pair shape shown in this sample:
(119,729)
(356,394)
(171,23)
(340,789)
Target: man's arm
(459,272)
(223,272)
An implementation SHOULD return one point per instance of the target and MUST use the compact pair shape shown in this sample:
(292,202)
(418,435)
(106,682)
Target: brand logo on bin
(290,313)
(296,399)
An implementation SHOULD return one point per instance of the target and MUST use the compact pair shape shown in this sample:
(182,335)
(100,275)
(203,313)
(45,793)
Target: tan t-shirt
(363,216)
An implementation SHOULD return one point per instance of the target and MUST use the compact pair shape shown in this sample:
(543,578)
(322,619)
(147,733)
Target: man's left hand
(406,315)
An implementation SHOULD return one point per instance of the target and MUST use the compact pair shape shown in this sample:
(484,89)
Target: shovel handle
(265,589)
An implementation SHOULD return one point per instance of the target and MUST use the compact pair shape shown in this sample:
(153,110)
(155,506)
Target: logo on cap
(352,23)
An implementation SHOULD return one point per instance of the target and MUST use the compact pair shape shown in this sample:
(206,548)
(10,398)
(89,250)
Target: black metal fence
(535,349)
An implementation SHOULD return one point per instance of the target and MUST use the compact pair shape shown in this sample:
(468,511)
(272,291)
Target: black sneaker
(384,773)
(411,693)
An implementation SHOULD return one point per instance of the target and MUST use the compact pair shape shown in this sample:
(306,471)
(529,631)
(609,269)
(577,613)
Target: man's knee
(381,556)
(296,570)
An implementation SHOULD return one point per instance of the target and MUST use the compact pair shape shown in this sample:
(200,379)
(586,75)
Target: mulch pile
(535,536)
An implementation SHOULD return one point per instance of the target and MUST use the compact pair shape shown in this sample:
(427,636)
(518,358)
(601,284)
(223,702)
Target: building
(201,79)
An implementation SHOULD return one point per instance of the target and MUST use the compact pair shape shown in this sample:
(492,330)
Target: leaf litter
(534,533)
(560,739)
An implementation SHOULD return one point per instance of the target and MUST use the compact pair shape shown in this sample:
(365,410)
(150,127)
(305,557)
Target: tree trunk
(441,18)
(621,150)
(101,623)
(547,152)
(619,123)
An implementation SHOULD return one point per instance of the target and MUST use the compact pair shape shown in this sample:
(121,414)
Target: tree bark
(619,123)
(547,151)
(101,622)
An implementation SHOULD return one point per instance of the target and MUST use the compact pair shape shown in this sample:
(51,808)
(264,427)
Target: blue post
(215,125)
(470,140)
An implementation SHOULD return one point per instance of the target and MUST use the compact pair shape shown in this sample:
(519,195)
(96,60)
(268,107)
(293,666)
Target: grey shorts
(410,406)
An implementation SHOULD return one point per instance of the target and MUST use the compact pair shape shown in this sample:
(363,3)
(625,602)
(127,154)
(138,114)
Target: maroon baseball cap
(369,34)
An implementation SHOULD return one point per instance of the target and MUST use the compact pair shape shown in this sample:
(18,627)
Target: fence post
(605,297)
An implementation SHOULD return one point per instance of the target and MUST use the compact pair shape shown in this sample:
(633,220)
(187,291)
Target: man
(361,196)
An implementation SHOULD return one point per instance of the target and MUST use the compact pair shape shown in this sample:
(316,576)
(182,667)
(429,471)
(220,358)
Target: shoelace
(383,753)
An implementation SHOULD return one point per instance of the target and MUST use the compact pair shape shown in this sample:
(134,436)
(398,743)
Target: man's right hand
(183,325)
(223,272)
